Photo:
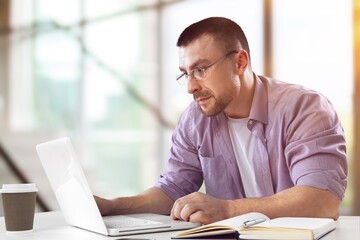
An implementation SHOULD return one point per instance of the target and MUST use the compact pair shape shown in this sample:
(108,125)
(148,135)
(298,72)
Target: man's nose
(192,85)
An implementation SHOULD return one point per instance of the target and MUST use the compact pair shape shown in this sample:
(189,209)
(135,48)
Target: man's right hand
(104,205)
(152,200)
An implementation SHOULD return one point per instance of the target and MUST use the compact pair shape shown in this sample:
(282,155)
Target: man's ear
(242,61)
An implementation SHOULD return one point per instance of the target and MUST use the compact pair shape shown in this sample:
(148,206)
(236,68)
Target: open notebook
(77,203)
(258,226)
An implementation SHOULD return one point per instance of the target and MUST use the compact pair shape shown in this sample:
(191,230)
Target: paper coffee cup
(19,206)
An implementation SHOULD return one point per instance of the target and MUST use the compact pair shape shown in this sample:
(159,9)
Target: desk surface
(51,225)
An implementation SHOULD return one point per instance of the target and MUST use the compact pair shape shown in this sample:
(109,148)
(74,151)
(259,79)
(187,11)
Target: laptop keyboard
(125,221)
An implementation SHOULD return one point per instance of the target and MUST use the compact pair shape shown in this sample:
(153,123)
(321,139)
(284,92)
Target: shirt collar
(259,109)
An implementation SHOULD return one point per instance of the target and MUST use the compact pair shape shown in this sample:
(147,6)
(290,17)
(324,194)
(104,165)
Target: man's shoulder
(280,92)
(276,86)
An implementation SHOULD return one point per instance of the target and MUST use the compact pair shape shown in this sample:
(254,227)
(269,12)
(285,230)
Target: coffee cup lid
(18,188)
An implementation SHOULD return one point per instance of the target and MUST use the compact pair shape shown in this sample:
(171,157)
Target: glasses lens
(199,73)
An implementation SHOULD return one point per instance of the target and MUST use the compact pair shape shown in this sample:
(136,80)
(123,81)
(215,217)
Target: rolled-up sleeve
(316,149)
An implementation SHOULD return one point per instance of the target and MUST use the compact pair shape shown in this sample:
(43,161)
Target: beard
(218,106)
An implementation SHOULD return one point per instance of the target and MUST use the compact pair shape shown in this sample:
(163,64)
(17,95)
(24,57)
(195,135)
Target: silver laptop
(77,203)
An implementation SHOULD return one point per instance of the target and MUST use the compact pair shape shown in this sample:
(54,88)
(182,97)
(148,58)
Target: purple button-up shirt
(299,141)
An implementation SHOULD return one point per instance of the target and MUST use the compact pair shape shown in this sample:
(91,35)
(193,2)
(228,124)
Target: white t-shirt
(243,144)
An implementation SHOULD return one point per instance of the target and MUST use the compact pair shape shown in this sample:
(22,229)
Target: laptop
(78,205)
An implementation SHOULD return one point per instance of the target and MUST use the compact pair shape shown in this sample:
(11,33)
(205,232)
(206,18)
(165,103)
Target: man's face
(220,84)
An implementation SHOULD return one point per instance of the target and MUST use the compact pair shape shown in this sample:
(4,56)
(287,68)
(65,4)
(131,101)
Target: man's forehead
(202,47)
(189,59)
(203,41)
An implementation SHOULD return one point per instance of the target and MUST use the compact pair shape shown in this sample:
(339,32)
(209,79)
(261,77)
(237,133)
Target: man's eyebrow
(195,65)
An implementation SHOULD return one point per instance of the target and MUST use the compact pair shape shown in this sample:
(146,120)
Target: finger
(198,217)
(175,211)
(186,211)
(185,206)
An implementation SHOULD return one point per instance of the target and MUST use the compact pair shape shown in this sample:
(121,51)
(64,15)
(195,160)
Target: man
(258,144)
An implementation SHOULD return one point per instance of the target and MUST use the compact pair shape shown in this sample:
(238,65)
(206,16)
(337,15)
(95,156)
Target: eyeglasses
(199,73)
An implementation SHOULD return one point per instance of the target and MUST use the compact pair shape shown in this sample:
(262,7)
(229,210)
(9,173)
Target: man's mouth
(203,100)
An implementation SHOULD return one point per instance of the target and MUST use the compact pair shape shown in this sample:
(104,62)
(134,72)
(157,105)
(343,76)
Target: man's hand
(104,205)
(199,207)
(152,200)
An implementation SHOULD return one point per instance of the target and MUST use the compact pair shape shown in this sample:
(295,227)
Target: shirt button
(251,122)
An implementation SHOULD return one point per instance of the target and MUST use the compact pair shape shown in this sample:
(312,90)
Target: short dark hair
(222,29)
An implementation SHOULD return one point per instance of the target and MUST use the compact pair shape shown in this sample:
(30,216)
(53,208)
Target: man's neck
(241,105)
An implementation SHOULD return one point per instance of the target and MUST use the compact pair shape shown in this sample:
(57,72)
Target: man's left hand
(199,207)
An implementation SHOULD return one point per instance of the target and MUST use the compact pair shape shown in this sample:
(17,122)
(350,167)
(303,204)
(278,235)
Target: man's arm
(299,201)
(152,200)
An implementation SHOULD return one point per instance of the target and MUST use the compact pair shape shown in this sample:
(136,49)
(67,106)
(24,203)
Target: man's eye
(199,71)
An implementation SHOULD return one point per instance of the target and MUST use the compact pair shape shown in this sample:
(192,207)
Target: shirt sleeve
(183,174)
(315,146)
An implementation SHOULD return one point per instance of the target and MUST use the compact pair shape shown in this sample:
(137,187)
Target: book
(277,228)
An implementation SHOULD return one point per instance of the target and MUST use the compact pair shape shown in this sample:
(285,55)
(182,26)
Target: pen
(253,222)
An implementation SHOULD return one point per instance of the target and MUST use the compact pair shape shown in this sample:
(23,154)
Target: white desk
(51,225)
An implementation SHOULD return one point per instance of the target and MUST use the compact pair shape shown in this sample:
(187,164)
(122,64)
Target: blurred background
(103,73)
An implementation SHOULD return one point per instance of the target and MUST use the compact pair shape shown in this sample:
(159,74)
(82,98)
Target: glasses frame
(198,73)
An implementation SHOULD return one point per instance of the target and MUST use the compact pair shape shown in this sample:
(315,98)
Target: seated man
(258,144)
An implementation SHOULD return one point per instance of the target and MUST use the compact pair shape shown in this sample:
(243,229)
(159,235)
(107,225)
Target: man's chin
(209,111)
